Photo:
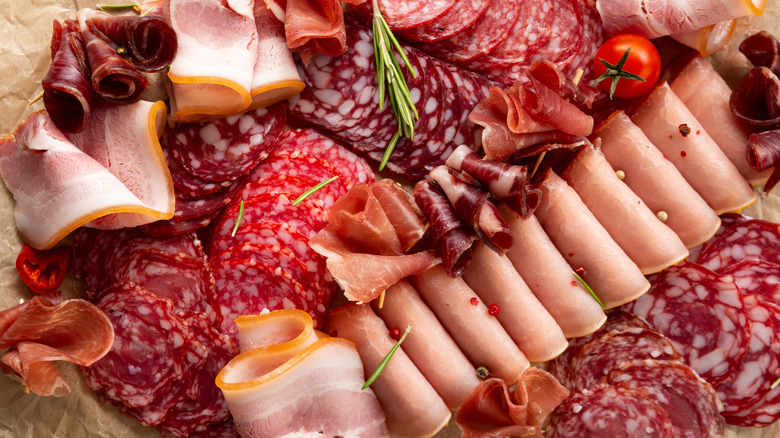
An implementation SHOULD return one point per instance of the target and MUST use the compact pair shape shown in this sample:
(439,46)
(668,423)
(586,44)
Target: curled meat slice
(315,27)
(756,100)
(708,39)
(763,50)
(764,154)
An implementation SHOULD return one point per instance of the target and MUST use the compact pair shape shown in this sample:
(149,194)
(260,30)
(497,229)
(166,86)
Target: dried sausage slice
(753,239)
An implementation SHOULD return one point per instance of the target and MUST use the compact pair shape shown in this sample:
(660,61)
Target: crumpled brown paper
(25,33)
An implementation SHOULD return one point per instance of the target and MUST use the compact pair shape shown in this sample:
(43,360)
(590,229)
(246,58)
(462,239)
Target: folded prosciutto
(101,180)
(706,95)
(673,129)
(657,18)
(290,380)
(646,240)
(412,407)
(656,181)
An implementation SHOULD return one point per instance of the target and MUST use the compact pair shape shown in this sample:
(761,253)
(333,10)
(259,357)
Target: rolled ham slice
(671,127)
(706,95)
(710,39)
(656,181)
(645,239)
(429,345)
(478,334)
(657,18)
(412,407)
(584,242)
(550,278)
(291,383)
(495,280)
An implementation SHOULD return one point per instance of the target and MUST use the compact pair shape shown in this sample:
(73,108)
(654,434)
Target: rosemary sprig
(616,72)
(238,219)
(585,285)
(774,385)
(309,192)
(108,8)
(391,80)
(384,362)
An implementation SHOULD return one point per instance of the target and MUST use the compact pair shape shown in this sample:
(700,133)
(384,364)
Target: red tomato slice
(643,60)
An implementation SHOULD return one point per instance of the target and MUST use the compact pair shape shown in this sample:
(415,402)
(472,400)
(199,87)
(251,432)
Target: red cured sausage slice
(192,208)
(185,184)
(458,18)
(593,37)
(295,165)
(405,14)
(610,411)
(755,239)
(702,314)
(756,277)
(490,30)
(690,401)
(172,228)
(228,148)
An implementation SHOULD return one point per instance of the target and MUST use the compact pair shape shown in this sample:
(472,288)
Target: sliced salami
(753,239)
(297,185)
(405,14)
(610,411)
(454,21)
(171,228)
(756,277)
(702,314)
(490,30)
(691,402)
(185,184)
(191,208)
(593,37)
(293,164)
(225,149)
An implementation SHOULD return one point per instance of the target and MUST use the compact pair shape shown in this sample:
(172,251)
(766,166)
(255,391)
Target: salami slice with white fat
(593,37)
(610,411)
(702,314)
(405,14)
(691,402)
(185,184)
(758,278)
(294,165)
(754,239)
(454,21)
(298,185)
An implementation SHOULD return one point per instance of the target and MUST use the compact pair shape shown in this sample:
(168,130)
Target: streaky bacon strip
(39,331)
(764,153)
(492,410)
(452,241)
(67,93)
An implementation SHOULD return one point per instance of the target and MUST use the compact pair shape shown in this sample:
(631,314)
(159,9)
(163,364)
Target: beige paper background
(25,32)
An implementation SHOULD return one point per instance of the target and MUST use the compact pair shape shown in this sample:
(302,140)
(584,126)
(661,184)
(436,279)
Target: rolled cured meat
(707,95)
(656,181)
(710,39)
(429,345)
(584,242)
(550,278)
(412,407)
(290,382)
(495,280)
(646,240)
(478,333)
(671,127)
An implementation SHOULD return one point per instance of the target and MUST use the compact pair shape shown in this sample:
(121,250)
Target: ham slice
(478,334)
(39,332)
(584,242)
(646,240)
(671,127)
(706,95)
(530,325)
(58,187)
(709,39)
(655,180)
(292,383)
(550,278)
(656,18)
(412,407)
(428,344)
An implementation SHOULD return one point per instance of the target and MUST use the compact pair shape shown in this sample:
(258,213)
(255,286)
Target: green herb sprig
(309,192)
(615,72)
(774,385)
(238,219)
(387,358)
(585,285)
(391,80)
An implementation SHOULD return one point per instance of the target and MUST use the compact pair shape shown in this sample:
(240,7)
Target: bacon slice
(654,19)
(709,39)
(70,188)
(671,127)
(411,405)
(40,332)
(290,382)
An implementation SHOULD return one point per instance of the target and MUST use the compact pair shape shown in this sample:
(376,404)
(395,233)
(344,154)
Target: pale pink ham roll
(429,345)
(290,380)
(412,407)
(645,239)
(495,280)
(550,277)
(671,127)
(707,95)
(478,334)
(584,242)
(656,181)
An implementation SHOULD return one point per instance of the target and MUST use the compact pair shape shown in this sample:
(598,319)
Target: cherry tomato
(643,60)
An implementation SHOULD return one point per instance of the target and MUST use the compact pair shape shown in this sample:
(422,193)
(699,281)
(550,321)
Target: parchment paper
(25,33)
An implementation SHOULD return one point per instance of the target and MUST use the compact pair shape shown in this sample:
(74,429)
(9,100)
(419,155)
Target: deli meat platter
(219,294)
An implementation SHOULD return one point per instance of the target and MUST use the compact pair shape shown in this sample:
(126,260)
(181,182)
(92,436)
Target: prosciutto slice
(649,174)
(411,405)
(674,130)
(314,27)
(39,332)
(288,382)
(656,18)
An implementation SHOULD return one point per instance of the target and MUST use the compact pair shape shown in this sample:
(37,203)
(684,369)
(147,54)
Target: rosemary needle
(384,362)
(309,192)
(238,219)
(774,385)
(585,285)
